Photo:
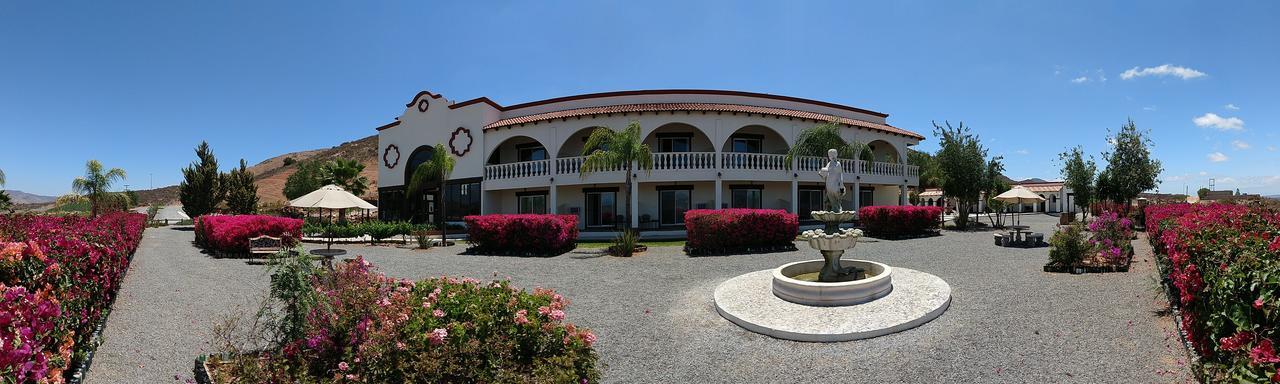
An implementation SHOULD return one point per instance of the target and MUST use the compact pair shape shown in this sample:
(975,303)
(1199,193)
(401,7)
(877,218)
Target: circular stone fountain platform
(748,301)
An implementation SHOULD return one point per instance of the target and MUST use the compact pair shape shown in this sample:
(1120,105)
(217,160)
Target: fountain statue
(831,240)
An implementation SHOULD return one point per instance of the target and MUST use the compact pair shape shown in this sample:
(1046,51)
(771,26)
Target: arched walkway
(883,151)
(756,139)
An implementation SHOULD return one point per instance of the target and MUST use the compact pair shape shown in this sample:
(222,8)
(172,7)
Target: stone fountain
(832,299)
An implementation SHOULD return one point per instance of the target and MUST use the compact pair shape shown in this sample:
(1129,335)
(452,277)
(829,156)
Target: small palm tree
(816,140)
(1,177)
(345,173)
(436,169)
(607,149)
(96,185)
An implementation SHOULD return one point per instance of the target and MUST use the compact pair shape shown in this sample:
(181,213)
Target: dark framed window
(746,196)
(674,142)
(531,152)
(808,199)
(866,197)
(532,202)
(747,143)
(673,202)
(462,199)
(601,207)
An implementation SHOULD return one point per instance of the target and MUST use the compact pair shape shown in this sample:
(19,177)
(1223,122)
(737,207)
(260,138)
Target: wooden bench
(265,245)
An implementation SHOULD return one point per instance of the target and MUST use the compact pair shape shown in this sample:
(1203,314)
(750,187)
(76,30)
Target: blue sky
(138,85)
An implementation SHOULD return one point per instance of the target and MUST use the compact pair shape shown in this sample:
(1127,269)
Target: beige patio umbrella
(1019,194)
(331,197)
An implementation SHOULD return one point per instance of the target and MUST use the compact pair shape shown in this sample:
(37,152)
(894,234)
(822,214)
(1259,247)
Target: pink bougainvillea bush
(723,231)
(1110,242)
(231,234)
(58,277)
(1223,262)
(900,220)
(522,235)
(355,325)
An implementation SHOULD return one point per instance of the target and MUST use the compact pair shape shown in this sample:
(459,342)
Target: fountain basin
(879,283)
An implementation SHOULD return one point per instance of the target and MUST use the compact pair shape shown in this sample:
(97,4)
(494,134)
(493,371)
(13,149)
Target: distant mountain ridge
(20,197)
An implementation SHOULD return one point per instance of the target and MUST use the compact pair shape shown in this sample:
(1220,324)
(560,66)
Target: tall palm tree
(345,173)
(435,170)
(96,185)
(607,149)
(816,140)
(1,177)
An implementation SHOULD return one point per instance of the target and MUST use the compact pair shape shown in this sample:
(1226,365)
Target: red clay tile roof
(1044,187)
(704,107)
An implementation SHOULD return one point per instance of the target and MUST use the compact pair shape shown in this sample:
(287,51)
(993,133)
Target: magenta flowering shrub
(524,235)
(721,231)
(1224,264)
(1110,242)
(369,328)
(900,220)
(231,234)
(58,276)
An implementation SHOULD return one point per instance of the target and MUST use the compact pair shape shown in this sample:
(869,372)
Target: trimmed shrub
(58,278)
(355,324)
(900,220)
(522,235)
(723,231)
(1067,246)
(1223,266)
(231,234)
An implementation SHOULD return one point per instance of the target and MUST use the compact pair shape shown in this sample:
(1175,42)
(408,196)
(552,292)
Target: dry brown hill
(272,173)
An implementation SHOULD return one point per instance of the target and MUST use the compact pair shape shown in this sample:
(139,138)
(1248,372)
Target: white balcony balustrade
(754,161)
(517,169)
(675,161)
(810,163)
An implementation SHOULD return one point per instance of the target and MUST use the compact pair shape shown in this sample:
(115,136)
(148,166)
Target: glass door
(602,209)
(672,204)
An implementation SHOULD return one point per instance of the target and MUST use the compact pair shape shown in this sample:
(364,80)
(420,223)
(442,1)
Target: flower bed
(357,325)
(1108,249)
(1223,265)
(58,277)
(230,234)
(893,221)
(724,231)
(522,235)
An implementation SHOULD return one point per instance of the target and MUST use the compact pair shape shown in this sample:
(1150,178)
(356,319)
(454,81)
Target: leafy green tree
(307,179)
(435,170)
(242,193)
(1130,168)
(345,173)
(1106,186)
(607,149)
(1078,174)
(201,189)
(96,187)
(5,201)
(816,140)
(1,178)
(963,163)
(1202,192)
(930,173)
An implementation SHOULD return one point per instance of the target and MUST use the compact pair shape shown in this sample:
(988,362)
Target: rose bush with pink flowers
(58,277)
(523,235)
(1223,261)
(720,231)
(231,233)
(900,220)
(355,324)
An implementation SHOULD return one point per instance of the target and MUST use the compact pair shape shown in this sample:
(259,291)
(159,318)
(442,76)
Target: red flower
(1237,341)
(1264,353)
(1257,304)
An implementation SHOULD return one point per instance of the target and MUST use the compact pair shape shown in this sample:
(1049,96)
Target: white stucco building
(711,149)
(1057,198)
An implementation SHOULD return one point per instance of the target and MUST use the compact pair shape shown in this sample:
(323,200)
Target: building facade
(1057,198)
(711,149)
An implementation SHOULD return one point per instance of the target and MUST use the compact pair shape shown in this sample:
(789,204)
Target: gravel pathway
(1008,320)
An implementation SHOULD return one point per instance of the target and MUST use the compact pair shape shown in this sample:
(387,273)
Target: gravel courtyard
(1008,321)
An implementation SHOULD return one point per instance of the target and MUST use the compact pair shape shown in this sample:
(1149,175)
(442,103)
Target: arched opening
(419,206)
(756,139)
(678,137)
(573,145)
(517,149)
(882,151)
(1042,203)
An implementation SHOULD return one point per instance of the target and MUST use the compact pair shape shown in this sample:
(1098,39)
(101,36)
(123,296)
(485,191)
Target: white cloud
(1021,152)
(1240,144)
(1163,70)
(1149,108)
(1271,148)
(1232,107)
(1202,173)
(1080,80)
(1217,157)
(1218,122)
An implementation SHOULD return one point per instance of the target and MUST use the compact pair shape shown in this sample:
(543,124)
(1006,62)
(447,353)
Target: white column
(485,206)
(795,197)
(857,194)
(635,203)
(902,194)
(718,197)
(552,202)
